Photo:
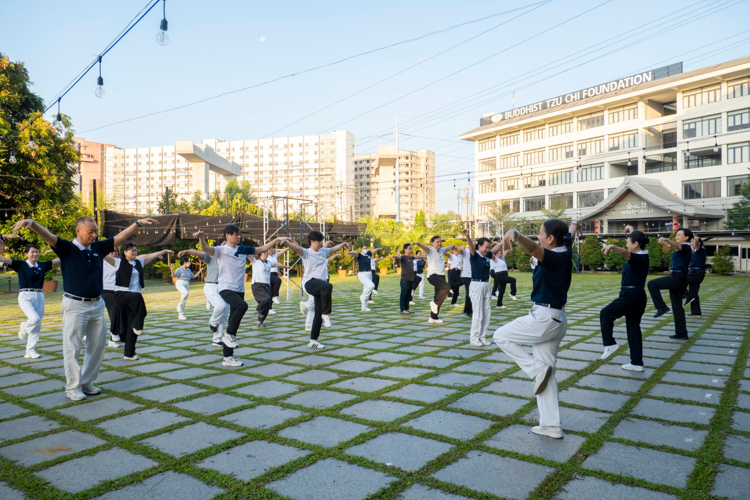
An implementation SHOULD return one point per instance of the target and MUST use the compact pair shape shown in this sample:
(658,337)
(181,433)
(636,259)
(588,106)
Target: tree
(42,175)
(722,261)
(656,253)
(555,211)
(445,225)
(167,202)
(501,218)
(612,260)
(244,189)
(198,204)
(738,217)
(591,253)
(420,220)
(60,220)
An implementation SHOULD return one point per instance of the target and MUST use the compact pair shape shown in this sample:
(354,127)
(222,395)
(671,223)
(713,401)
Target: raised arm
(340,246)
(42,231)
(109,260)
(279,253)
(156,255)
(205,247)
(376,250)
(528,245)
(294,246)
(353,253)
(268,246)
(622,252)
(56,262)
(329,259)
(192,252)
(171,270)
(123,235)
(670,243)
(469,242)
(424,247)
(449,248)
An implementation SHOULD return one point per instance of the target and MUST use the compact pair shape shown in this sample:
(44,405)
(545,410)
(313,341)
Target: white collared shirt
(261,271)
(135,284)
(465,256)
(435,261)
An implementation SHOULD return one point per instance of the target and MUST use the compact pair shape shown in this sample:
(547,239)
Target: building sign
(580,95)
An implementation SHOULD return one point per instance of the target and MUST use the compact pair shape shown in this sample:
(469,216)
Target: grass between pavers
(238,489)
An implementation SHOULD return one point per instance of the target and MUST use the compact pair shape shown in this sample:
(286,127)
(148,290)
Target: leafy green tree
(198,204)
(722,262)
(61,220)
(657,253)
(420,220)
(591,253)
(501,218)
(613,260)
(738,217)
(444,225)
(244,189)
(167,201)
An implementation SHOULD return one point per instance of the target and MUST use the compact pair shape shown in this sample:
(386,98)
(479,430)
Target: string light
(99,92)
(629,162)
(716,145)
(32,144)
(162,38)
(58,118)
(687,151)
(12,158)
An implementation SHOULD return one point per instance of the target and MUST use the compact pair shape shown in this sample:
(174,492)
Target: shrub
(613,260)
(722,262)
(591,253)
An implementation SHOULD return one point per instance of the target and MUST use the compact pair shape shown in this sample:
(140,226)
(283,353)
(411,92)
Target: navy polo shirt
(363,262)
(420,266)
(480,266)
(681,258)
(698,260)
(30,277)
(635,271)
(82,269)
(552,277)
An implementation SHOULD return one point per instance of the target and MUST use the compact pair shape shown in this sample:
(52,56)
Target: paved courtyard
(392,408)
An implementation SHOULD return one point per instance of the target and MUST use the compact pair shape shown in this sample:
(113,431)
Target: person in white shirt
(374,269)
(455,266)
(129,283)
(365,275)
(501,278)
(315,262)
(436,274)
(261,286)
(308,308)
(466,279)
(273,258)
(116,326)
(183,275)
(421,264)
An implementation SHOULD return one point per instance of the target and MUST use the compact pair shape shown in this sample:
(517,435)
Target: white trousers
(32,305)
(184,288)
(421,285)
(367,287)
(220,309)
(543,328)
(79,319)
(310,304)
(481,301)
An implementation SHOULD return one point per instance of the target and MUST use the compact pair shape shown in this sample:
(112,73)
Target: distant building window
(561,177)
(706,188)
(626,140)
(509,161)
(591,173)
(508,139)
(533,157)
(734,184)
(561,152)
(590,121)
(558,201)
(738,153)
(487,186)
(623,113)
(738,120)
(701,96)
(561,127)
(510,184)
(590,146)
(533,204)
(590,198)
(533,134)
(701,127)
(487,165)
(486,144)
(738,88)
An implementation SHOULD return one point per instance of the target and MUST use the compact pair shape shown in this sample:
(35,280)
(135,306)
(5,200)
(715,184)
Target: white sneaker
(453,305)
(230,340)
(609,350)
(83,339)
(422,297)
(472,344)
(632,367)
(516,298)
(375,292)
(540,381)
(411,303)
(137,332)
(177,309)
(32,354)
(435,321)
(114,338)
(314,344)
(326,321)
(230,361)
(113,344)
(366,309)
(22,331)
(501,307)
(549,431)
(271,312)
(76,395)
(302,308)
(181,317)
(433,307)
(208,306)
(370,301)
(308,328)
(90,390)
(134,357)
(276,300)
(484,342)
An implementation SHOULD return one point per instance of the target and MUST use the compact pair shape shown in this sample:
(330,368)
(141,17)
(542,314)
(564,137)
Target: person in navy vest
(30,296)
(82,307)
(676,282)
(632,300)
(696,274)
(421,264)
(129,284)
(365,274)
(480,290)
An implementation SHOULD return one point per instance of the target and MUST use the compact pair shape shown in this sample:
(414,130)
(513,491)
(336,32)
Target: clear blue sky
(216,47)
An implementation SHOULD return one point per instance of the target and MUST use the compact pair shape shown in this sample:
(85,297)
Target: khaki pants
(481,300)
(79,319)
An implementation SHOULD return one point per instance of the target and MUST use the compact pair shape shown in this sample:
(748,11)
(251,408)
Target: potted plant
(342,272)
(50,283)
(383,265)
(163,269)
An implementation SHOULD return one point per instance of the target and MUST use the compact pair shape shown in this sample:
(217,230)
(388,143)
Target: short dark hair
(436,237)
(182,259)
(218,242)
(406,245)
(556,228)
(640,238)
(231,229)
(419,251)
(482,241)
(687,232)
(81,220)
(315,236)
(698,240)
(29,247)
(128,245)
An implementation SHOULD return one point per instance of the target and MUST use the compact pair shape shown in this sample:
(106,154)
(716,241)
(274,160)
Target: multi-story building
(655,150)
(92,165)
(375,183)
(315,168)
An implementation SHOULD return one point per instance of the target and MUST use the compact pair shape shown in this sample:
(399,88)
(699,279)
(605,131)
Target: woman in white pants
(545,325)
(183,275)
(365,274)
(480,291)
(30,296)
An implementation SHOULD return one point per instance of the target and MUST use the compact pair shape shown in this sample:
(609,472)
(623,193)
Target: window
(509,161)
(738,120)
(703,160)
(738,88)
(558,201)
(701,96)
(534,180)
(666,164)
(700,127)
(590,198)
(706,188)
(489,186)
(510,184)
(590,173)
(561,152)
(734,184)
(533,157)
(561,177)
(738,153)
(623,113)
(590,146)
(593,120)
(561,127)
(533,204)
(487,165)
(532,134)
(508,139)
(626,140)
(486,144)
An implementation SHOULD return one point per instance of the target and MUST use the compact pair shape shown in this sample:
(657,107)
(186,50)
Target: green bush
(722,261)
(657,253)
(613,260)
(591,253)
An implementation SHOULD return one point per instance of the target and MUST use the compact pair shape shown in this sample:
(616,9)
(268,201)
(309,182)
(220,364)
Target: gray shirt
(212,269)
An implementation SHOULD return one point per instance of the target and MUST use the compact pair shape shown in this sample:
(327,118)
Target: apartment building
(92,166)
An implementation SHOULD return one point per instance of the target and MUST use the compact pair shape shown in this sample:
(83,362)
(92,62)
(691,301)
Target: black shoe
(690,300)
(213,328)
(696,315)
(218,344)
(661,312)
(678,337)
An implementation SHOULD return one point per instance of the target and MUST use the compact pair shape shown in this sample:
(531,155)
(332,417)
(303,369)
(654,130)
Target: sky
(476,54)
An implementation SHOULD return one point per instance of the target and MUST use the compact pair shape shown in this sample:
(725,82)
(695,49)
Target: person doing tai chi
(480,256)
(116,324)
(30,295)
(545,325)
(676,282)
(408,275)
(308,308)
(436,274)
(82,307)
(374,269)
(455,266)
(365,274)
(466,279)
(499,272)
(632,300)
(273,258)
(182,276)
(421,264)
(261,286)
(696,274)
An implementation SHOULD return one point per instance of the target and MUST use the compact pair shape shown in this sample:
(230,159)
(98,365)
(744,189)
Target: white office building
(656,150)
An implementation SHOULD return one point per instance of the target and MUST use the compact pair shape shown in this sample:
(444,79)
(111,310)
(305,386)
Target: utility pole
(398,183)
(96,212)
(166,198)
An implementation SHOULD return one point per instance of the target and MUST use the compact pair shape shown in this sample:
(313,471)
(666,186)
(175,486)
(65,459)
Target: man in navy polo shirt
(82,306)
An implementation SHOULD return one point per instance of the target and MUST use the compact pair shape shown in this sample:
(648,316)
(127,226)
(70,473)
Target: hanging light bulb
(12,158)
(644,156)
(716,145)
(32,144)
(162,38)
(687,151)
(99,92)
(630,163)
(58,118)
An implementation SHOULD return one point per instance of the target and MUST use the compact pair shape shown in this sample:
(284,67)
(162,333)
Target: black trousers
(275,284)
(116,325)
(407,287)
(455,282)
(375,278)
(237,309)
(631,303)
(262,294)
(321,292)
(694,280)
(133,311)
(441,291)
(676,283)
(414,286)
(501,280)
(467,301)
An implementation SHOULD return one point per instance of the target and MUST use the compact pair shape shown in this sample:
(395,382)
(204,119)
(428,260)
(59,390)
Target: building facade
(92,166)
(656,150)
(375,183)
(317,168)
